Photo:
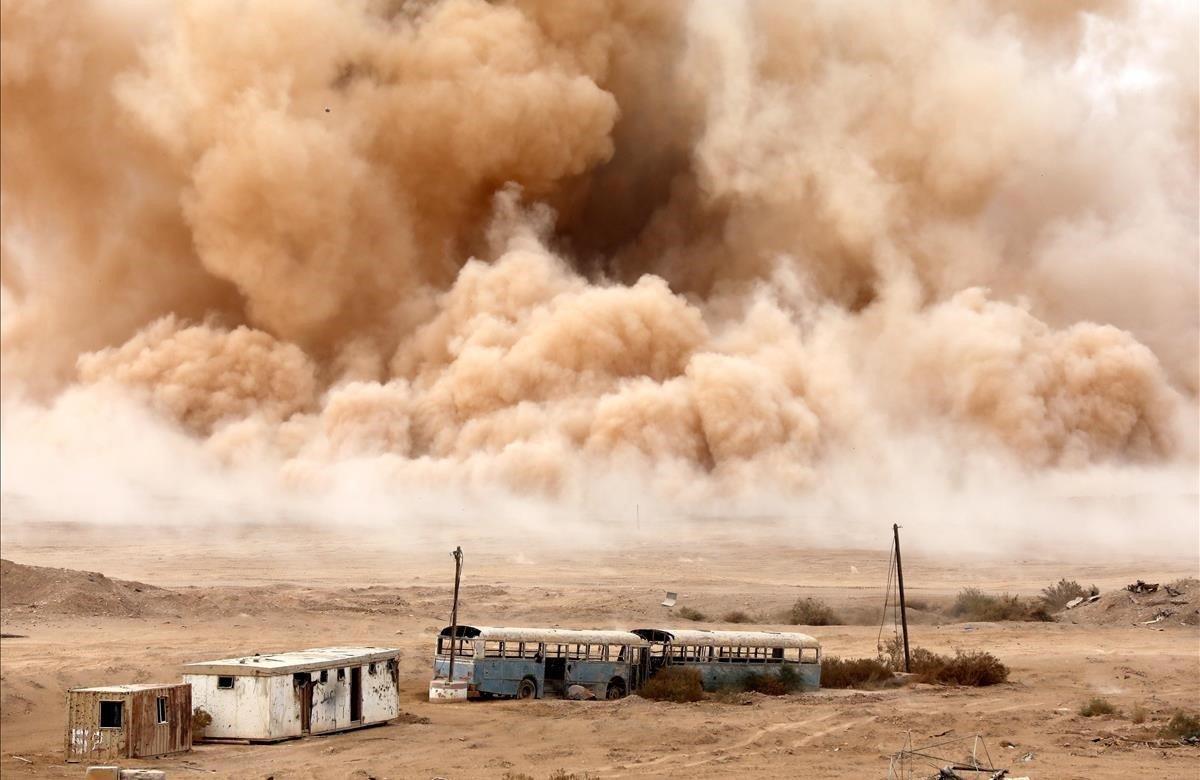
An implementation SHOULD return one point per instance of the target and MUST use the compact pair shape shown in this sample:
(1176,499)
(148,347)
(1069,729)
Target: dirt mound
(1173,604)
(69,592)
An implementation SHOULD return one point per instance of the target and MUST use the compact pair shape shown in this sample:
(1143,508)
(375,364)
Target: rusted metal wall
(140,735)
(85,740)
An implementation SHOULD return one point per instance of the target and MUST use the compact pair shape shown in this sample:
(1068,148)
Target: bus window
(513,649)
(577,651)
(616,653)
(531,649)
(809,655)
(493,649)
(791,655)
(777,653)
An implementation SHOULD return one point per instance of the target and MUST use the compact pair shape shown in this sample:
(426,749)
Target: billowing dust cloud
(716,245)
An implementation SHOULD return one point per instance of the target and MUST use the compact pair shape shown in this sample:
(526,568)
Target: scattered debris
(1142,587)
(1172,591)
(1081,600)
(671,598)
(910,763)
(22,758)
(579,693)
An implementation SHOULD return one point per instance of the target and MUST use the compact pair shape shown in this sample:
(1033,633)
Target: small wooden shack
(128,721)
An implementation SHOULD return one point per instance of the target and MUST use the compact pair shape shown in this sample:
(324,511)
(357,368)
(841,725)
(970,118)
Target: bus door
(556,665)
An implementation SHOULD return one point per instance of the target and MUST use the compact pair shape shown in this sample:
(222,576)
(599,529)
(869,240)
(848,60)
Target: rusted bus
(727,657)
(128,721)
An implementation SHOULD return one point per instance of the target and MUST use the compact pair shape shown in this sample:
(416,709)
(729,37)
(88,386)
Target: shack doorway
(356,693)
(304,689)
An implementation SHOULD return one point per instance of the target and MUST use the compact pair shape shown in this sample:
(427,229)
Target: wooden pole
(900,583)
(458,558)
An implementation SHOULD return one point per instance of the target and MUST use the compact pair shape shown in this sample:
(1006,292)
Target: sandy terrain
(232,592)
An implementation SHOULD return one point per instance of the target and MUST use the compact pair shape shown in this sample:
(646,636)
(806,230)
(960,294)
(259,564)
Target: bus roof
(727,638)
(551,635)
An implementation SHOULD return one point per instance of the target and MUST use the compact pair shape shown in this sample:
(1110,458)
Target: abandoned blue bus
(529,663)
(726,657)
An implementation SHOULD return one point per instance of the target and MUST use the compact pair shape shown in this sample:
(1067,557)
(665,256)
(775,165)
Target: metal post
(458,558)
(900,583)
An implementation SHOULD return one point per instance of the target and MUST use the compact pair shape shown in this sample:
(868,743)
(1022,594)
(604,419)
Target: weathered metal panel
(702,638)
(140,735)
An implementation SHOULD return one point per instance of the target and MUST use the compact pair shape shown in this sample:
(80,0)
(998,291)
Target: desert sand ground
(244,591)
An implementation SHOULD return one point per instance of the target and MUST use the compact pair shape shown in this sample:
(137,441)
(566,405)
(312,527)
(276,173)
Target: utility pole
(458,559)
(900,582)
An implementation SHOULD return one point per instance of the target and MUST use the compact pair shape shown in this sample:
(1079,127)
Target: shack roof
(130,688)
(701,638)
(550,635)
(270,664)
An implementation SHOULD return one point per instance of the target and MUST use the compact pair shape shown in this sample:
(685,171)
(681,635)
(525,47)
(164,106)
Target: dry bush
(562,774)
(976,668)
(1139,714)
(200,721)
(1097,706)
(974,605)
(1183,725)
(787,681)
(853,672)
(673,683)
(973,668)
(736,616)
(516,776)
(687,613)
(1057,596)
(812,612)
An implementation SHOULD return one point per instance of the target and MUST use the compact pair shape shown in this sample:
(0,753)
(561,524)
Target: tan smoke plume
(717,244)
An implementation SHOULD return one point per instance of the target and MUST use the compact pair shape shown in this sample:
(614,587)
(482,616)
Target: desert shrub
(853,672)
(974,604)
(736,616)
(920,605)
(974,667)
(687,613)
(787,681)
(673,683)
(1139,714)
(964,668)
(516,776)
(1183,725)
(812,612)
(1057,596)
(1097,706)
(562,774)
(200,721)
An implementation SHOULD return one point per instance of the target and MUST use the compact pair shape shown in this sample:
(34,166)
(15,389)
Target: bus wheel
(616,690)
(527,689)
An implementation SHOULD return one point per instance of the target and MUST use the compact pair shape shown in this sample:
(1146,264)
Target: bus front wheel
(527,689)
(616,690)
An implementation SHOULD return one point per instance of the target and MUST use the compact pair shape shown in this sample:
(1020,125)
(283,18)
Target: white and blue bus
(727,657)
(528,663)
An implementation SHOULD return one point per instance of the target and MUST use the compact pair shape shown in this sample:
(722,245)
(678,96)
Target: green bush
(812,612)
(687,613)
(1097,706)
(673,683)
(787,681)
(1056,597)
(853,672)
(974,605)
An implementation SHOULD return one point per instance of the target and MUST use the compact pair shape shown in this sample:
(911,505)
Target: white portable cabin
(265,698)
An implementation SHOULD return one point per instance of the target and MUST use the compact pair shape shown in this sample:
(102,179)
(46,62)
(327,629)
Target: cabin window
(324,675)
(225,683)
(162,709)
(111,714)
(371,668)
(341,674)
(493,649)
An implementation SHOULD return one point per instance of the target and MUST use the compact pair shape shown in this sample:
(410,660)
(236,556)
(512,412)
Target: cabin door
(304,687)
(356,693)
